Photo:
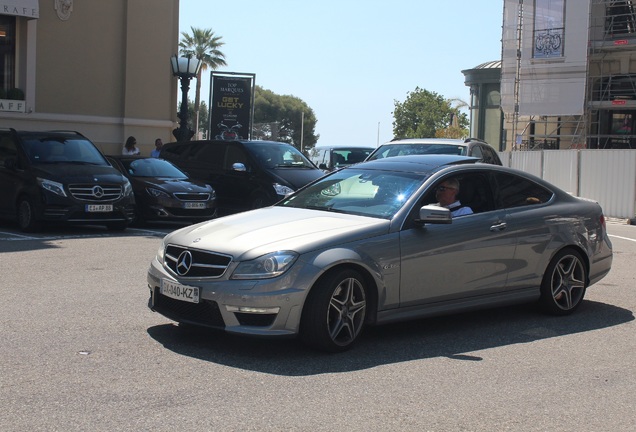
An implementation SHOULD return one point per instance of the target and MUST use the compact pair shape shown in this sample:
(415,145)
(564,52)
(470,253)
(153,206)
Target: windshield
(357,191)
(47,150)
(151,167)
(390,150)
(275,155)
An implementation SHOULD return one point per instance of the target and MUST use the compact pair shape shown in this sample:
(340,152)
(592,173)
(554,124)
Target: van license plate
(99,208)
(179,292)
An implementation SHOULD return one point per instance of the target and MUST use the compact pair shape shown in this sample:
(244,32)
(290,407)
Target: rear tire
(564,283)
(335,311)
(26,215)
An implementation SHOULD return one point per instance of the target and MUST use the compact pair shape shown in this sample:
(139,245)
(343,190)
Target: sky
(350,60)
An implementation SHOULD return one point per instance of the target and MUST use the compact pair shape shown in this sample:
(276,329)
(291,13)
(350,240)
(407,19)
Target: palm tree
(203,45)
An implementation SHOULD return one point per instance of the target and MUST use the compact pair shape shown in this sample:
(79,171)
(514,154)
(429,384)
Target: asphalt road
(80,351)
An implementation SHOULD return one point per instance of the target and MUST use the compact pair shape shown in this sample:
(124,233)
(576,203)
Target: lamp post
(185,68)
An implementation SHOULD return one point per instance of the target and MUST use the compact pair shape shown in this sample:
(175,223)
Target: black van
(60,177)
(245,174)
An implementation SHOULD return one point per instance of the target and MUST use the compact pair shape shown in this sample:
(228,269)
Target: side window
(8,149)
(488,155)
(212,153)
(474,191)
(475,151)
(234,154)
(516,191)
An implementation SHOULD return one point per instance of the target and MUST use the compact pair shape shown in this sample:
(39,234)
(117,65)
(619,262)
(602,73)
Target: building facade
(101,68)
(486,118)
(568,77)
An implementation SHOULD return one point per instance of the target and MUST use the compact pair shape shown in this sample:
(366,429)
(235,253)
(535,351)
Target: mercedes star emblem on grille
(184,262)
(98,192)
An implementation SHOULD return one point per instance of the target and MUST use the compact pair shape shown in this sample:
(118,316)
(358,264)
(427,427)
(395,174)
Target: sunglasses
(443,188)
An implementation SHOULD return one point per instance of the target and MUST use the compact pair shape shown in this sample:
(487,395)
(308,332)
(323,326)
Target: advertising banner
(231,105)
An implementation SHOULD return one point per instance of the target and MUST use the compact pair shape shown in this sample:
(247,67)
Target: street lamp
(185,68)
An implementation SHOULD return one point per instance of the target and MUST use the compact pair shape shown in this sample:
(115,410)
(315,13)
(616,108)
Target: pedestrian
(130,148)
(157,150)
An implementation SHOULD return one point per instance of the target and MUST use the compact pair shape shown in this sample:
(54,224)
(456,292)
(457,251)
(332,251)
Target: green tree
(205,46)
(203,118)
(283,118)
(426,114)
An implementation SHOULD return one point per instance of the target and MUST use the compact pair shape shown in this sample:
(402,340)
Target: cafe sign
(9,105)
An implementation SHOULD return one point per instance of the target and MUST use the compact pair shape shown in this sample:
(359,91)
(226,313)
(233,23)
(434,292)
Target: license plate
(179,292)
(99,208)
(195,205)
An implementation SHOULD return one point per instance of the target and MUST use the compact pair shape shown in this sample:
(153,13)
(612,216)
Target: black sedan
(165,193)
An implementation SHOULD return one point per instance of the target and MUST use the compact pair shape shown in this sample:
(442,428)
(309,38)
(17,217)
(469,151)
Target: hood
(171,185)
(67,173)
(254,233)
(295,177)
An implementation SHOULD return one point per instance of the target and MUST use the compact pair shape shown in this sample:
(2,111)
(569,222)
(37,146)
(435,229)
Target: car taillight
(601,220)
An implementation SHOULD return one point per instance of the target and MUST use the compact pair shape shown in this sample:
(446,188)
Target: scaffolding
(611,83)
(607,118)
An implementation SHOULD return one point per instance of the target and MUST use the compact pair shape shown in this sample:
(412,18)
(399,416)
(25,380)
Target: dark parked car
(165,193)
(244,174)
(329,158)
(463,147)
(367,245)
(55,177)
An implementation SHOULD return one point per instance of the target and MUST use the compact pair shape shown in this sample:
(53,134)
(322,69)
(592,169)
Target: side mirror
(323,166)
(434,215)
(238,167)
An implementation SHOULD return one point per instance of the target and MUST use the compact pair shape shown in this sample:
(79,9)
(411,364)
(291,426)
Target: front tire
(27,215)
(335,311)
(564,283)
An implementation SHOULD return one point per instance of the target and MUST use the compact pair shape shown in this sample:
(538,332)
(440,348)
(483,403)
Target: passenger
(446,195)
(130,148)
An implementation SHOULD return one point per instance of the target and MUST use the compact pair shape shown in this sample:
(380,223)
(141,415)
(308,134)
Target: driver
(446,194)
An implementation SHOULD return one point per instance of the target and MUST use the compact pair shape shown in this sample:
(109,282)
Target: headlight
(51,186)
(161,250)
(157,193)
(282,190)
(266,266)
(127,188)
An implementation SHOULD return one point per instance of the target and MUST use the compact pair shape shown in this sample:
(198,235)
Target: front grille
(193,263)
(92,192)
(206,313)
(192,196)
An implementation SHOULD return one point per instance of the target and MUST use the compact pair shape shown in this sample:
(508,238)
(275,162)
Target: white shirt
(461,211)
(126,152)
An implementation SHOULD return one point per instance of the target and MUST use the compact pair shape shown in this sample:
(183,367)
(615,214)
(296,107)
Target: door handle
(498,227)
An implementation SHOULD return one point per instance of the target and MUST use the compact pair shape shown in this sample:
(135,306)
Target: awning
(23,8)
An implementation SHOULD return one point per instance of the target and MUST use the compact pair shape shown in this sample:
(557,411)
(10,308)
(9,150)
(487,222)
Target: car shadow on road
(457,337)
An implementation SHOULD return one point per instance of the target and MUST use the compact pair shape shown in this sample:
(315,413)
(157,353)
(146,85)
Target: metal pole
(302,129)
(183,133)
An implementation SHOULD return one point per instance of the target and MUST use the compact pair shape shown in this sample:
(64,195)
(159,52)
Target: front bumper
(53,208)
(270,307)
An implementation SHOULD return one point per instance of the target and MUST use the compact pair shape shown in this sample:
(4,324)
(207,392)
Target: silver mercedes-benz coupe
(372,243)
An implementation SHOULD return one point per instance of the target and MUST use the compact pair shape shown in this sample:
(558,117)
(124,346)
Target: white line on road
(623,238)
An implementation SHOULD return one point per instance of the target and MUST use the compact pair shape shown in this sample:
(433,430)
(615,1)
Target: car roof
(415,163)
(129,157)
(242,141)
(51,133)
(342,146)
(450,141)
